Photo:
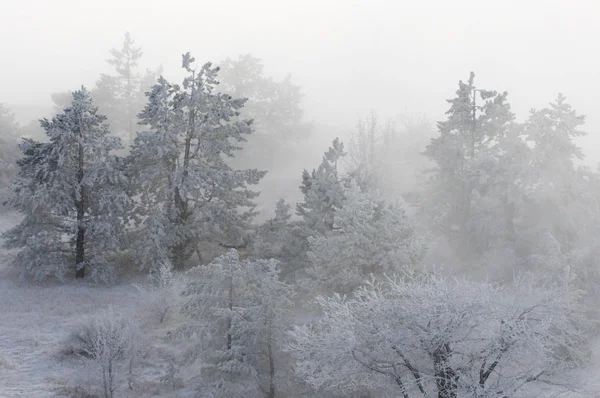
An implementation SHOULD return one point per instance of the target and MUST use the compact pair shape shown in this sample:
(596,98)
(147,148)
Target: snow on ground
(34,321)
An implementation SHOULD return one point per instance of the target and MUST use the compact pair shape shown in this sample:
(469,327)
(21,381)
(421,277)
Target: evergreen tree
(188,193)
(322,190)
(468,144)
(8,146)
(275,107)
(242,314)
(71,192)
(551,186)
(122,96)
(372,238)
(283,240)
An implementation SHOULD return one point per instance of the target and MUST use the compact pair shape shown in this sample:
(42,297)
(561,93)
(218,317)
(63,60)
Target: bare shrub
(162,294)
(108,341)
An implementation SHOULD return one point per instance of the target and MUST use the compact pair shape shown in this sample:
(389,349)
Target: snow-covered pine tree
(121,96)
(275,107)
(243,315)
(371,238)
(466,147)
(71,192)
(551,184)
(283,240)
(8,146)
(188,193)
(322,190)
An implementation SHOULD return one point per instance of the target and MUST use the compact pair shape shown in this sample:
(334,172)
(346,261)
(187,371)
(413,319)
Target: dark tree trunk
(80,248)
(271,365)
(80,204)
(182,252)
(230,306)
(445,377)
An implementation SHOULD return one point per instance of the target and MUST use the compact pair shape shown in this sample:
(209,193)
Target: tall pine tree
(71,192)
(188,192)
(468,143)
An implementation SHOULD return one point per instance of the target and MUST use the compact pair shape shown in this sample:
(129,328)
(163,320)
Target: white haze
(348,56)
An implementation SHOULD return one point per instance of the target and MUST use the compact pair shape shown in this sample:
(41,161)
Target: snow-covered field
(35,320)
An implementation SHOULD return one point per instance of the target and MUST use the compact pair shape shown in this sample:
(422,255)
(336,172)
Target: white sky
(348,55)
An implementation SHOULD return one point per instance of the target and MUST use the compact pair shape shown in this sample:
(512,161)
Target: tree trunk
(445,377)
(79,247)
(105,382)
(271,364)
(230,306)
(509,213)
(130,115)
(80,204)
(181,251)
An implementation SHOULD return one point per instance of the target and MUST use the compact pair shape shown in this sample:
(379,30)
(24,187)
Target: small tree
(283,240)
(161,294)
(107,341)
(370,238)
(188,193)
(71,192)
(449,338)
(322,190)
(242,313)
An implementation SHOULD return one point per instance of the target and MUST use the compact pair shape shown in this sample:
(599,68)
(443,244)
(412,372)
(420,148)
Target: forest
(185,237)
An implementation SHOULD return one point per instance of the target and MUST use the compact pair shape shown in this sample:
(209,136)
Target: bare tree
(433,337)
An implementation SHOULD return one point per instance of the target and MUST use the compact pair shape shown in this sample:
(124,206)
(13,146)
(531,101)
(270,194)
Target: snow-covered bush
(162,294)
(434,336)
(110,343)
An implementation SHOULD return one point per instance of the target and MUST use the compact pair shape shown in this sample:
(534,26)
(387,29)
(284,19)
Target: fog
(343,204)
(348,57)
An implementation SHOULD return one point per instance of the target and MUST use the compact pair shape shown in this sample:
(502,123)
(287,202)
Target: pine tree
(551,186)
(71,186)
(122,96)
(188,193)
(243,314)
(468,142)
(8,146)
(371,238)
(322,190)
(284,240)
(275,107)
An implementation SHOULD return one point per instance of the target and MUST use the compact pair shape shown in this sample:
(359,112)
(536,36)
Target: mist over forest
(299,199)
